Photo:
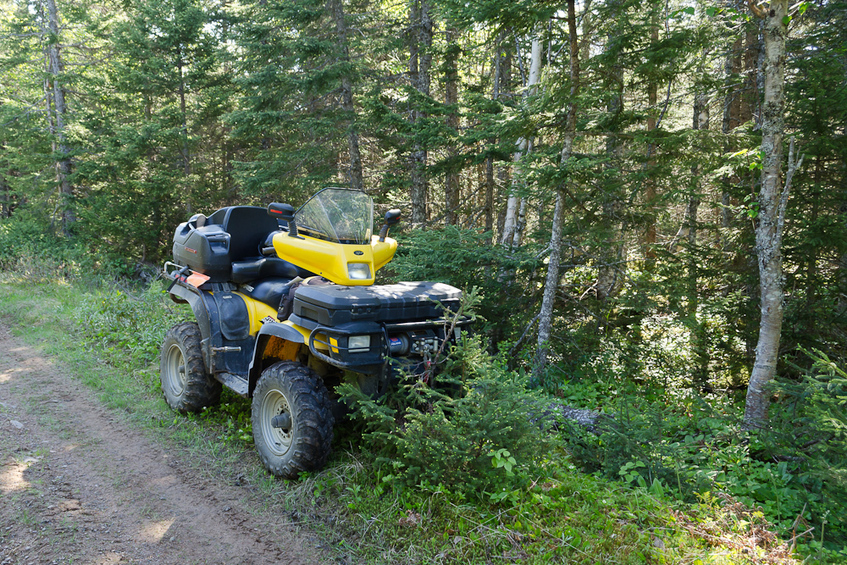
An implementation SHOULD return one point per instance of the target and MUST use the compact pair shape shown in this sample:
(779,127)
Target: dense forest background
(640,172)
(119,120)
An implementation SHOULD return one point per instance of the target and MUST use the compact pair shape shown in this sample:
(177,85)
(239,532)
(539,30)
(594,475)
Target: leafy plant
(487,438)
(808,438)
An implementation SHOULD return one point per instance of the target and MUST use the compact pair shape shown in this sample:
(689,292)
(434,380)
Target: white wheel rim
(278,440)
(175,371)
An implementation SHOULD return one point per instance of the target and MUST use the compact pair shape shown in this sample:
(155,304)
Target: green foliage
(31,249)
(808,436)
(687,446)
(487,440)
(232,419)
(465,258)
(128,328)
(648,443)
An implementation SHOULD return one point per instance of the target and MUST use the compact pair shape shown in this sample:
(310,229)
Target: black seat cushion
(270,291)
(263,268)
(247,226)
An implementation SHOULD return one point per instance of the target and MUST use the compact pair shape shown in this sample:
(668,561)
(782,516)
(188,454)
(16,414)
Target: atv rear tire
(186,386)
(292,420)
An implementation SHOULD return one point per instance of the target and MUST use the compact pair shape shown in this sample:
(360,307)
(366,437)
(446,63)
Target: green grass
(109,339)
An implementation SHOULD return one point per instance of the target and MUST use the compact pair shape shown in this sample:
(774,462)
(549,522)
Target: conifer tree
(296,119)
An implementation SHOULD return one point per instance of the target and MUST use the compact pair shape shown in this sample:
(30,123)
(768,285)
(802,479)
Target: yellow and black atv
(285,307)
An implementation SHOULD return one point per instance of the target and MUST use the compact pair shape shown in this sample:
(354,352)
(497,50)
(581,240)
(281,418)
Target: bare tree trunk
(355,165)
(842,263)
(650,188)
(699,345)
(54,70)
(186,155)
(513,205)
(451,98)
(420,62)
(770,221)
(551,283)
(517,239)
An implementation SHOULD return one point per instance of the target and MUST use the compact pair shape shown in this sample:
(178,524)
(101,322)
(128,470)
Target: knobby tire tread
(312,410)
(200,391)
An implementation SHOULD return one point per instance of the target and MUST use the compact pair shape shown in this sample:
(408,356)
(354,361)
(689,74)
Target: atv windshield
(338,215)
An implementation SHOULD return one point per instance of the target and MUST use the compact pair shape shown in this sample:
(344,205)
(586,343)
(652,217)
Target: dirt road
(77,485)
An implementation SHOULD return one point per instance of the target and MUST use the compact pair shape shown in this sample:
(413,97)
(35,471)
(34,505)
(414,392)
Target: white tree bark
(551,283)
(57,121)
(511,229)
(770,221)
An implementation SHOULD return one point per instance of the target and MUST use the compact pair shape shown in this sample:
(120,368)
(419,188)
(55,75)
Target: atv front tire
(186,386)
(292,420)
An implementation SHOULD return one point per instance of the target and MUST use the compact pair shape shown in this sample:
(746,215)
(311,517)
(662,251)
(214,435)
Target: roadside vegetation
(646,203)
(485,473)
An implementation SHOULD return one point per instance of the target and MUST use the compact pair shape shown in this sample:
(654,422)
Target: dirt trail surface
(77,485)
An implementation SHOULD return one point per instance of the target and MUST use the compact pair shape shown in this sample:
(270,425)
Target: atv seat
(264,268)
(270,291)
(247,226)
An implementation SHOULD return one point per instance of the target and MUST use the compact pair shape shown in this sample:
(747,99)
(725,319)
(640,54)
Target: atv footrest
(237,384)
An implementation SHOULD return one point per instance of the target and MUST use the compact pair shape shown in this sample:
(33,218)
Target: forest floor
(79,485)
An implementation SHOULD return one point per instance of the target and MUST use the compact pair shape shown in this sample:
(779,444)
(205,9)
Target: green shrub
(486,440)
(128,324)
(465,258)
(809,439)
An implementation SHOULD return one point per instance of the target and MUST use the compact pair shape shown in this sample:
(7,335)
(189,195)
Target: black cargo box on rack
(230,234)
(332,305)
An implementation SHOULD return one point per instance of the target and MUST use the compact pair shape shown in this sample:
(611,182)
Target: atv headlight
(359,271)
(358,343)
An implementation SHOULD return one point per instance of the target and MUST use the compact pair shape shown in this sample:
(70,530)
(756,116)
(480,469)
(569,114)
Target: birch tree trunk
(773,199)
(699,345)
(420,62)
(511,229)
(354,172)
(551,283)
(186,154)
(57,122)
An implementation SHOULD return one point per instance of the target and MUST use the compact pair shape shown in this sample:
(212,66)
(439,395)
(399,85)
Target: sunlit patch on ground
(7,375)
(154,532)
(12,477)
